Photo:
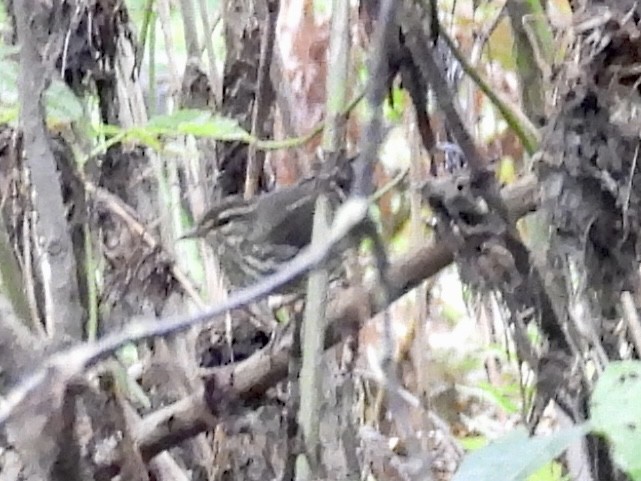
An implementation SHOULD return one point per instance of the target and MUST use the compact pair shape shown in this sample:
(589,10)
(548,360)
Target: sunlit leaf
(560,14)
(500,45)
(394,107)
(473,443)
(550,472)
(616,413)
(507,170)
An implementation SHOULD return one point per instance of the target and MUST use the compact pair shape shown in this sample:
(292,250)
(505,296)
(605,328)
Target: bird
(253,238)
(497,266)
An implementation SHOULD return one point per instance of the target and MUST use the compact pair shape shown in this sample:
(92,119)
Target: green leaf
(108,130)
(451,313)
(144,136)
(501,396)
(616,413)
(171,122)
(473,443)
(199,123)
(219,128)
(393,108)
(63,106)
(516,456)
(507,172)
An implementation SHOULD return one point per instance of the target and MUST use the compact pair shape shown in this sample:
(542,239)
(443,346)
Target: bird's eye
(222,219)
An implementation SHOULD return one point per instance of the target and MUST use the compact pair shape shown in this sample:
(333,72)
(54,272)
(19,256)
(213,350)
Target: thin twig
(189,28)
(214,76)
(264,98)
(390,185)
(292,446)
(164,14)
(295,142)
(144,32)
(28,274)
(364,169)
(424,57)
(527,133)
(631,318)
(118,207)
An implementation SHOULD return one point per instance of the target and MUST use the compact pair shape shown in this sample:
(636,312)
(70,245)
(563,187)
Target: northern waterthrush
(253,238)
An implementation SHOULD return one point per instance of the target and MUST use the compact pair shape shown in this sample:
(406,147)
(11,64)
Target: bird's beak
(193,233)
